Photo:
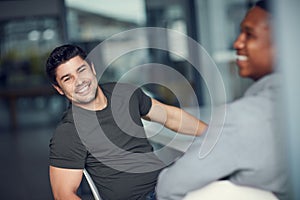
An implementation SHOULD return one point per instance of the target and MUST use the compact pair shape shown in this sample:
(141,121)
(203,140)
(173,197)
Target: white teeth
(242,58)
(83,89)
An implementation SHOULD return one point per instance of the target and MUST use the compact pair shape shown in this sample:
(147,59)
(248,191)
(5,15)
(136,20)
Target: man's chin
(243,73)
(84,101)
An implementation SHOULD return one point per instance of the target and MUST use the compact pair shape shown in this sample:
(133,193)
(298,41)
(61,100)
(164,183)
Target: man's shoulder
(248,109)
(269,84)
(65,132)
(107,86)
(67,116)
(118,88)
(66,122)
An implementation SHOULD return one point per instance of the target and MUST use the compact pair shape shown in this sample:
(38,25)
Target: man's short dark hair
(59,56)
(264,4)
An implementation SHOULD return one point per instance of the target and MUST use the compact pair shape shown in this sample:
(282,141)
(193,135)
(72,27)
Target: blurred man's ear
(93,68)
(58,89)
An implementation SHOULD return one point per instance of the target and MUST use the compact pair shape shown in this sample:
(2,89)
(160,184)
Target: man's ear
(58,89)
(93,68)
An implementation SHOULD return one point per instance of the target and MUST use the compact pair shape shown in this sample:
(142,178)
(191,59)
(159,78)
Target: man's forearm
(183,122)
(175,119)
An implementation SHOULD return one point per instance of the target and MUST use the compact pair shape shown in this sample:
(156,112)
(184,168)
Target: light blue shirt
(248,151)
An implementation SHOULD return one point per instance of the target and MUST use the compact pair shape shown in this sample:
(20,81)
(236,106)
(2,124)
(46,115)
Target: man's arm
(65,182)
(175,119)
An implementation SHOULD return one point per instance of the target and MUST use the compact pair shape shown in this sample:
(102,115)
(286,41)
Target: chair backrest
(92,185)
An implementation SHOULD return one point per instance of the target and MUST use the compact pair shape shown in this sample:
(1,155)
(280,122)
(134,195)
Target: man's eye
(249,35)
(82,69)
(66,79)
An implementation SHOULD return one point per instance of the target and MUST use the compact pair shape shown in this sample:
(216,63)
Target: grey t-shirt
(111,144)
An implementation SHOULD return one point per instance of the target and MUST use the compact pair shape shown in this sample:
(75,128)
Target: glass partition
(92,22)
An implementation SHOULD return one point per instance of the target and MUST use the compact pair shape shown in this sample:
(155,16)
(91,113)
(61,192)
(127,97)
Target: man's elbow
(58,195)
(62,195)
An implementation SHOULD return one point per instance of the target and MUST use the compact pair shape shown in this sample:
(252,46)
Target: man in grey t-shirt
(103,133)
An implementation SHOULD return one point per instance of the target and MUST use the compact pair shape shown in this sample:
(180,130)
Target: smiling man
(102,131)
(248,150)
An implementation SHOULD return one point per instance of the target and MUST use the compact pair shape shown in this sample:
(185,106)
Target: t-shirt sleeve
(66,148)
(145,102)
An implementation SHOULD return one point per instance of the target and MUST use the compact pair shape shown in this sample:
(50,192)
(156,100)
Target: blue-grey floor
(24,164)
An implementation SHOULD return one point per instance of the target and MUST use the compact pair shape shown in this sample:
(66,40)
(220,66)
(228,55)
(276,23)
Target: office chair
(92,185)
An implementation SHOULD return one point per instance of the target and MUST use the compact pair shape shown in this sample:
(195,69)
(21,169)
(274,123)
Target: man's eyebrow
(245,27)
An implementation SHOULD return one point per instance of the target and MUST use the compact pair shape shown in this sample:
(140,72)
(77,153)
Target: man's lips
(82,89)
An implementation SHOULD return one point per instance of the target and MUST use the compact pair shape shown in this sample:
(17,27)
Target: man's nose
(78,80)
(239,42)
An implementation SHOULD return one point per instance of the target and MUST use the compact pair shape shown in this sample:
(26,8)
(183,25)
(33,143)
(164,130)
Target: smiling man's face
(77,81)
(254,45)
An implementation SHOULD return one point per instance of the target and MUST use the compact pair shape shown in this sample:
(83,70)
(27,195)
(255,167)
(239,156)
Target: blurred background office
(30,29)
